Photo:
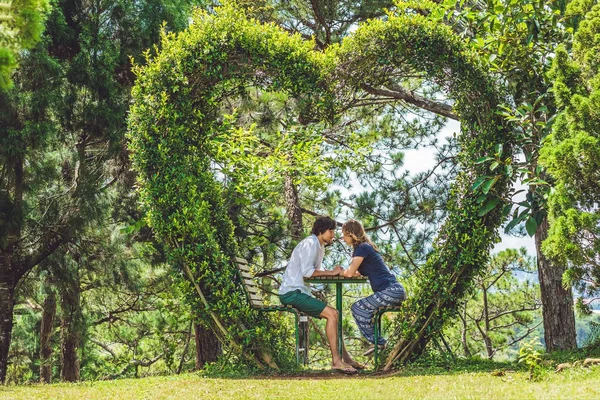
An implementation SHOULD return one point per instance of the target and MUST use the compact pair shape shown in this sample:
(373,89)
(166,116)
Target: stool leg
(376,337)
(297,339)
(303,344)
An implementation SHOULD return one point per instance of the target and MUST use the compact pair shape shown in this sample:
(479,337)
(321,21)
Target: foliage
(62,131)
(503,310)
(592,342)
(328,21)
(132,322)
(21,25)
(572,156)
(184,199)
(463,242)
(175,114)
(531,357)
(517,41)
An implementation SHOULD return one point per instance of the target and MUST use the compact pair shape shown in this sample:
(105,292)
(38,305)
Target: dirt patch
(326,374)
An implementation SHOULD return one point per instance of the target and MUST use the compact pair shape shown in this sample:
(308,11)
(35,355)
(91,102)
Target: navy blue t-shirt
(373,267)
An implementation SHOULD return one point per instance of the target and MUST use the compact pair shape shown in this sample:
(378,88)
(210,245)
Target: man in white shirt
(305,262)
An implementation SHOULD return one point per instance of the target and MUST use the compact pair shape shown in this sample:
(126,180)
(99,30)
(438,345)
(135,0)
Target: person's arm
(353,268)
(307,254)
(328,272)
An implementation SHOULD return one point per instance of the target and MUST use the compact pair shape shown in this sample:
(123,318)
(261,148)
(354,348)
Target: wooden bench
(257,302)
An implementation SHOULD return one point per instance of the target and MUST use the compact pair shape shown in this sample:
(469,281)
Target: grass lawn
(576,383)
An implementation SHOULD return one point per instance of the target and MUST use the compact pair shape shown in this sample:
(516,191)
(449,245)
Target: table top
(336,279)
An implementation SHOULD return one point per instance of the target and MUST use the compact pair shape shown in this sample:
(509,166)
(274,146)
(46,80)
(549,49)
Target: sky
(424,158)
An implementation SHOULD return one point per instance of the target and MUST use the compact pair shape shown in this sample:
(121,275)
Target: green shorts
(303,302)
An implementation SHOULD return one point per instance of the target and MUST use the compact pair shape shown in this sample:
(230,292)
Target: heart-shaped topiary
(174,124)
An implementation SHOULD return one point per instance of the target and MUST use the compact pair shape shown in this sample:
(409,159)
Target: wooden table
(338,280)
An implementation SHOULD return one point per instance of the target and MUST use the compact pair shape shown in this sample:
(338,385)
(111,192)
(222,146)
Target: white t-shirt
(306,258)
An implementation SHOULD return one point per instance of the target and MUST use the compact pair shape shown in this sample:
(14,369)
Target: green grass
(413,383)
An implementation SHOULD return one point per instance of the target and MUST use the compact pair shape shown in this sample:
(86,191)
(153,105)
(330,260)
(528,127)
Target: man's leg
(331,330)
(347,358)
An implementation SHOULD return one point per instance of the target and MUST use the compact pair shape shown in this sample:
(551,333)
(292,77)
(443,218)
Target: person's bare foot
(344,368)
(354,364)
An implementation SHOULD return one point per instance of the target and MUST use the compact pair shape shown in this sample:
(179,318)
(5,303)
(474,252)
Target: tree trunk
(185,350)
(208,348)
(463,332)
(486,319)
(557,302)
(47,326)
(293,208)
(7,292)
(70,330)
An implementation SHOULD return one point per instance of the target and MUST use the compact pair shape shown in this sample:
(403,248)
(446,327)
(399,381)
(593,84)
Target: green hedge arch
(411,43)
(174,118)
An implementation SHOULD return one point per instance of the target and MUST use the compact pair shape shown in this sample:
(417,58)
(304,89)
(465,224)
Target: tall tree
(208,348)
(62,129)
(572,154)
(517,41)
(47,330)
(21,25)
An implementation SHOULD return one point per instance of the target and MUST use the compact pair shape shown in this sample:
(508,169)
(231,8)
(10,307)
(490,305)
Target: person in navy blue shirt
(367,261)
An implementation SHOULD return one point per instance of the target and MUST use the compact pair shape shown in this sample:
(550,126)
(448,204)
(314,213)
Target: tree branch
(399,93)
(513,312)
(529,330)
(104,347)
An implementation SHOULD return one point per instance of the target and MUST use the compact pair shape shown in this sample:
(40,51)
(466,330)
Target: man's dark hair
(322,225)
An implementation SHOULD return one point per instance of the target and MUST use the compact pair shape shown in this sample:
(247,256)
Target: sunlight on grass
(572,384)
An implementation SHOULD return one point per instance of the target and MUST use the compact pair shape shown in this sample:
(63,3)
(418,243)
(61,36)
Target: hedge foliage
(175,118)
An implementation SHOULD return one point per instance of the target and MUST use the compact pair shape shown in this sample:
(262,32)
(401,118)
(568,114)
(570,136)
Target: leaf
(531,226)
(529,39)
(489,205)
(499,150)
(515,221)
(511,225)
(539,216)
(539,182)
(488,184)
(506,210)
(478,182)
(483,159)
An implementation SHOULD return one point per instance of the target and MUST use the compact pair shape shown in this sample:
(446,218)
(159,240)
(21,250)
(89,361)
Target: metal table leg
(338,304)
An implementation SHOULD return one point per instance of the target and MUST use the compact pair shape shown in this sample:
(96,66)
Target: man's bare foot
(354,364)
(344,368)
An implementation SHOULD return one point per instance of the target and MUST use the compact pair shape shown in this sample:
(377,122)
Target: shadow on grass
(422,367)
(438,364)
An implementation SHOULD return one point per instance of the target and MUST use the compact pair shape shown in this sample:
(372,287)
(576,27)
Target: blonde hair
(355,230)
